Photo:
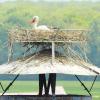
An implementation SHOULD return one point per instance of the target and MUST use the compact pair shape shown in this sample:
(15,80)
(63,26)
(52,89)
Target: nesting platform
(56,35)
(21,35)
(52,60)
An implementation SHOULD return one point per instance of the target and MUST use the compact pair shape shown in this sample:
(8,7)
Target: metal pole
(93,82)
(53,52)
(10,50)
(83,85)
(10,84)
(1,86)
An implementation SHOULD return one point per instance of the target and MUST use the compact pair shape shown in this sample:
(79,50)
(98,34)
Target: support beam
(93,83)
(10,50)
(5,90)
(1,86)
(83,85)
(53,52)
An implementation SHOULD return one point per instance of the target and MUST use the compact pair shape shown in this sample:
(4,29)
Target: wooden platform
(36,97)
(56,35)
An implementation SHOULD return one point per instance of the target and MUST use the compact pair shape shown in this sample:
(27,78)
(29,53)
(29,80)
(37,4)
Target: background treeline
(69,15)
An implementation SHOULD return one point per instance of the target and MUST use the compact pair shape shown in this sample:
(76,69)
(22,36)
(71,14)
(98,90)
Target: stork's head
(35,19)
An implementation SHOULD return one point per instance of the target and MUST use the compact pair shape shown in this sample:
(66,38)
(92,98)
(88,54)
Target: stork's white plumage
(35,21)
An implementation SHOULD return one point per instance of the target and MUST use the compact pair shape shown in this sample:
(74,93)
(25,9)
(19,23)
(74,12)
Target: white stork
(35,21)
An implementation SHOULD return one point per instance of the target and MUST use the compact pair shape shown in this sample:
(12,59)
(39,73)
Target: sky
(1,1)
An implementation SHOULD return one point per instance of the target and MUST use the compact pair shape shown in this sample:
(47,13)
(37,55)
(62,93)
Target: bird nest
(56,35)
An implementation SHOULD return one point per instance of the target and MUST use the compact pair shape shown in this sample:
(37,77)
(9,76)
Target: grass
(71,87)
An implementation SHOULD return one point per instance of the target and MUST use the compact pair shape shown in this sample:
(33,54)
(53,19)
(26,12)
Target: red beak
(33,20)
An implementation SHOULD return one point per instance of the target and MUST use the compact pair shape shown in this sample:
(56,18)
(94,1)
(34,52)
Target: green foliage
(65,15)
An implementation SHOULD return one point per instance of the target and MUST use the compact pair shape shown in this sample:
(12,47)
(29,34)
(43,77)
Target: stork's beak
(32,21)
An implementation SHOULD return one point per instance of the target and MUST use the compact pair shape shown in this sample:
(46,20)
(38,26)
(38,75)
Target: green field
(71,87)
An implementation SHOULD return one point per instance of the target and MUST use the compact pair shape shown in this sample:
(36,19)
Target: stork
(35,21)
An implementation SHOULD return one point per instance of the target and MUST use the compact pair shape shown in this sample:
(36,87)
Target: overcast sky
(50,0)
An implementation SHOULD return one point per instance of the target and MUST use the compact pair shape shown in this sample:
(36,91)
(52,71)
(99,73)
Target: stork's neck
(34,25)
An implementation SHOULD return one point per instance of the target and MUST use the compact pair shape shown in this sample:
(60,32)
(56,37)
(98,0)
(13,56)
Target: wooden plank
(10,51)
(36,97)
(53,52)
(22,41)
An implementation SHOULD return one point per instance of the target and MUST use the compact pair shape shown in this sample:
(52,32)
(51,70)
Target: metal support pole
(83,85)
(10,51)
(10,85)
(93,83)
(53,52)
(1,86)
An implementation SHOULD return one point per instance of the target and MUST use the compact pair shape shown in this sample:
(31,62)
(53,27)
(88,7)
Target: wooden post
(53,52)
(10,50)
